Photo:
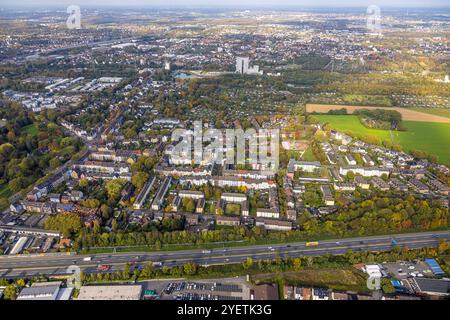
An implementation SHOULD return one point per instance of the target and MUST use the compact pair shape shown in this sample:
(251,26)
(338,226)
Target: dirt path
(407,114)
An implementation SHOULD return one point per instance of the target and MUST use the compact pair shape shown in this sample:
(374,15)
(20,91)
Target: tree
(247,264)
(443,246)
(189,269)
(297,264)
(97,228)
(114,187)
(17,184)
(139,179)
(126,272)
(91,203)
(114,225)
(67,223)
(6,150)
(20,283)
(147,271)
(10,292)
(387,286)
(83,183)
(188,204)
(106,211)
(54,163)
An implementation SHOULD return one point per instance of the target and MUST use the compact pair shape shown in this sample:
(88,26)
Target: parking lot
(403,270)
(222,289)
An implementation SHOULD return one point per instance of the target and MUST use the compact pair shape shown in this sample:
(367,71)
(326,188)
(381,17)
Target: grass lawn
(5,192)
(337,279)
(443,112)
(430,137)
(30,129)
(309,155)
(233,209)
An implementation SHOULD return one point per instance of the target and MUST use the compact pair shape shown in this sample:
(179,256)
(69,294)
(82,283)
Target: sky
(240,3)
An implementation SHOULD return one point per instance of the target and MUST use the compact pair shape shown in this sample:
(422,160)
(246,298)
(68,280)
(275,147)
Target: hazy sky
(329,3)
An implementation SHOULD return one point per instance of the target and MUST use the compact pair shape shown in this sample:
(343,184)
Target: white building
(243,66)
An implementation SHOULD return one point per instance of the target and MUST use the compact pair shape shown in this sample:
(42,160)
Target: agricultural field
(442,112)
(432,138)
(407,114)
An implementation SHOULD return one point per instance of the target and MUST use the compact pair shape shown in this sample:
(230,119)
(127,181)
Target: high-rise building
(243,66)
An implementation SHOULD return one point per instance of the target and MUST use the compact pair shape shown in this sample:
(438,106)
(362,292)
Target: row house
(344,187)
(398,185)
(268,213)
(327,197)
(419,186)
(362,183)
(143,194)
(228,221)
(161,193)
(270,224)
(365,172)
(258,184)
(380,184)
(438,186)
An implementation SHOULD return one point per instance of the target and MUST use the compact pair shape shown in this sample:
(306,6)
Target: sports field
(433,138)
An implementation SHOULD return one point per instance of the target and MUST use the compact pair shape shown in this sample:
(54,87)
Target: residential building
(143,194)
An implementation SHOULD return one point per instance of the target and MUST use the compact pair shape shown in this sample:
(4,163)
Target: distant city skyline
(230,3)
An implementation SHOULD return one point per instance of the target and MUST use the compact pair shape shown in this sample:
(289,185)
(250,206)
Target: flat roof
(433,285)
(435,267)
(125,292)
(48,292)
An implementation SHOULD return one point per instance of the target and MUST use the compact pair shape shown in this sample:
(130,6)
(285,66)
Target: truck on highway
(206,251)
(87,259)
(157,264)
(313,243)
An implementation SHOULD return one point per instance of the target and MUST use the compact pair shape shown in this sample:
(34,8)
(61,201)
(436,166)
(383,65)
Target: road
(20,266)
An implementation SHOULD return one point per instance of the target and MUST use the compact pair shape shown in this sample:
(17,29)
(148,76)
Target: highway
(47,265)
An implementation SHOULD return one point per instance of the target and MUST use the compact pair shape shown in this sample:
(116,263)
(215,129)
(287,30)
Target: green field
(233,209)
(443,112)
(30,129)
(5,192)
(309,155)
(337,279)
(432,138)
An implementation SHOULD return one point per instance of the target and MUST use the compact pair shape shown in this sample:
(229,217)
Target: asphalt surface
(47,265)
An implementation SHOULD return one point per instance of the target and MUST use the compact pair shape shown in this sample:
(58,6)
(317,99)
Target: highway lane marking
(157,255)
(315,249)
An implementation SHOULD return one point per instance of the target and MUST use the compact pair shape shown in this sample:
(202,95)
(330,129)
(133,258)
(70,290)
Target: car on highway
(103,267)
